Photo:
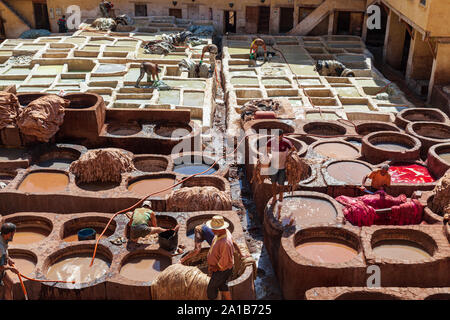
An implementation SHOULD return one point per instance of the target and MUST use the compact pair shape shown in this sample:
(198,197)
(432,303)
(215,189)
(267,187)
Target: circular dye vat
(410,173)
(400,250)
(193,168)
(445,156)
(146,186)
(76,268)
(336,150)
(24,263)
(173,131)
(97,186)
(308,210)
(74,237)
(57,163)
(348,171)
(44,182)
(28,235)
(392,146)
(144,268)
(326,251)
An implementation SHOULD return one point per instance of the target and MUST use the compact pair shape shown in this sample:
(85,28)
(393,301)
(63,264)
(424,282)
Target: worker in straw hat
(220,258)
(143,222)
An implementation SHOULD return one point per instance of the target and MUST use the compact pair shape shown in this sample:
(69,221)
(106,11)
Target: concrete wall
(429,17)
(13,25)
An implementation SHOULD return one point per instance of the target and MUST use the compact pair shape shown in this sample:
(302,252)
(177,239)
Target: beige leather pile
(441,199)
(42,117)
(9,109)
(296,170)
(102,165)
(199,199)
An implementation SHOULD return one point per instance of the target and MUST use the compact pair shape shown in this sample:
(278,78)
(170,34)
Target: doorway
(2,30)
(193,12)
(175,13)
(343,22)
(405,55)
(41,15)
(286,19)
(230,21)
(263,19)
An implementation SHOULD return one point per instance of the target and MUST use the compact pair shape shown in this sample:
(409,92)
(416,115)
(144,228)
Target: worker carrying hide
(332,68)
(151,69)
(143,222)
(258,42)
(212,50)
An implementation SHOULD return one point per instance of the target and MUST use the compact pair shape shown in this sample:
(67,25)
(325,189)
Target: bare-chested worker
(149,68)
(212,49)
(258,42)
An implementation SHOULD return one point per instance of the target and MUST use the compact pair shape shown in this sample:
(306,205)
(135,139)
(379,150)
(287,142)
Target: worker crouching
(6,235)
(143,222)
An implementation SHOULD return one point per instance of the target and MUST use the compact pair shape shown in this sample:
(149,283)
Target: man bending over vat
(7,232)
(278,147)
(143,222)
(255,46)
(203,233)
(151,69)
(381,178)
(212,50)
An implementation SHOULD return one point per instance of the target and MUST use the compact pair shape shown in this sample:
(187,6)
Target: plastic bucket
(168,240)
(86,234)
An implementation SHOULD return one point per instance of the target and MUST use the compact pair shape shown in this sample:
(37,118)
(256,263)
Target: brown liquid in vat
(347,171)
(400,250)
(74,237)
(146,186)
(336,150)
(44,182)
(76,268)
(23,263)
(445,156)
(392,146)
(144,268)
(309,211)
(29,235)
(326,251)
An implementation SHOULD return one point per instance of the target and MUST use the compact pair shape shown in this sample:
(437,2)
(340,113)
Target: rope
(156,192)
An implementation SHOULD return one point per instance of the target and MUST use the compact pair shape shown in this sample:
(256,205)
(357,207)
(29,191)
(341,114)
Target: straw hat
(217,223)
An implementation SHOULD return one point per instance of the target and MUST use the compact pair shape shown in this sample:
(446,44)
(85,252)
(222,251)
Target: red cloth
(280,146)
(360,211)
(410,173)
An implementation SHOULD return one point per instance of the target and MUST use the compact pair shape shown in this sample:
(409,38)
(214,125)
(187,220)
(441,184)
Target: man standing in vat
(220,258)
(381,178)
(278,148)
(6,235)
(143,222)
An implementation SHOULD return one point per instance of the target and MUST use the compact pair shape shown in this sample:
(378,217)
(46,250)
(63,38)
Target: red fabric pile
(360,211)
(410,173)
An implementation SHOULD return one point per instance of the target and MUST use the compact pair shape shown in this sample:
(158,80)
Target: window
(140,10)
(423,2)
